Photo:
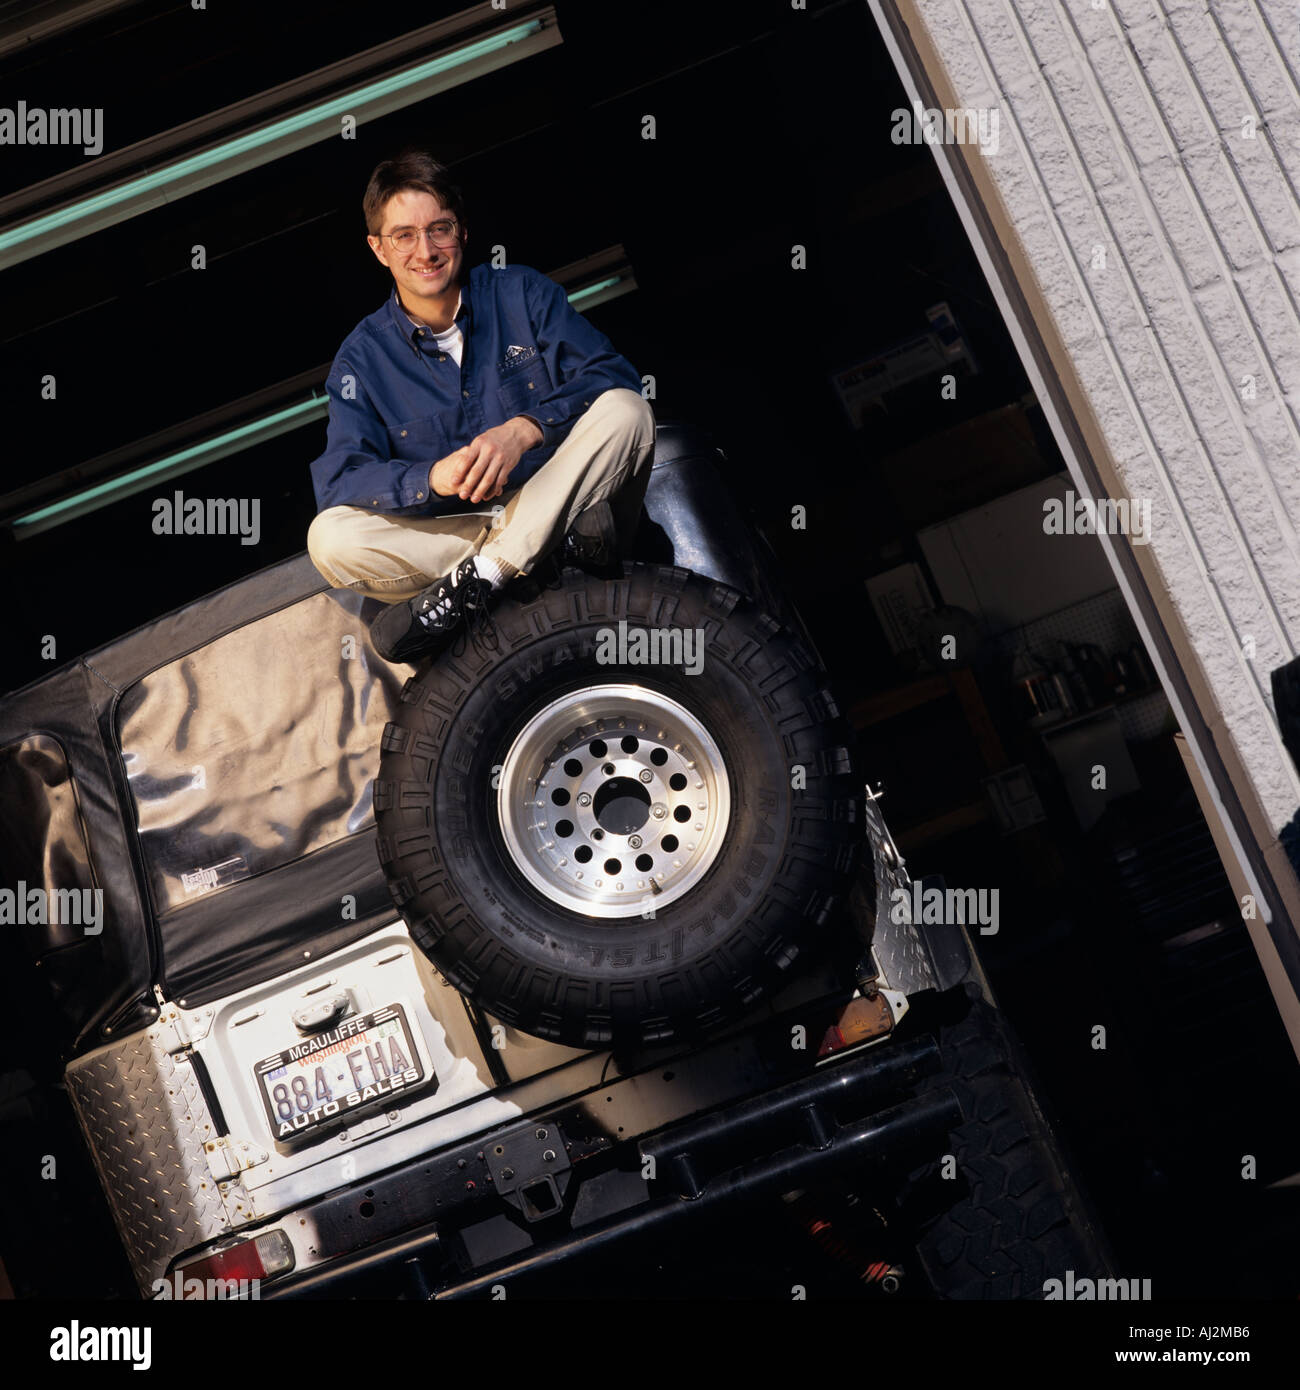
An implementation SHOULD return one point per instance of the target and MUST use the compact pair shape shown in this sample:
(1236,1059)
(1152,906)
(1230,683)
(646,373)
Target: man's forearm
(535,430)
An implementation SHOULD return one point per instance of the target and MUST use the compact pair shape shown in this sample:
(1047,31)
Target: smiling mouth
(429,269)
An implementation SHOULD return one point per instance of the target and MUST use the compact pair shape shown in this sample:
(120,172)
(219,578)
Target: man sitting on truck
(463,388)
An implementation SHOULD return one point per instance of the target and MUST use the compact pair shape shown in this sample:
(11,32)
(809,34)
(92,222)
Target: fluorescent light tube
(275,139)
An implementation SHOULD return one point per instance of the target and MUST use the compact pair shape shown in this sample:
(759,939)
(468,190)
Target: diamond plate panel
(900,952)
(145,1120)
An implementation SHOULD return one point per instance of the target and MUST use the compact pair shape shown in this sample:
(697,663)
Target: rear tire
(1018,1219)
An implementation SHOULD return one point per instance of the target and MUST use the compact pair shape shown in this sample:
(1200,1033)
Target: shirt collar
(410,329)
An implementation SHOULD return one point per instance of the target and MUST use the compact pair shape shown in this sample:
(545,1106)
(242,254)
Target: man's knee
(628,411)
(332,540)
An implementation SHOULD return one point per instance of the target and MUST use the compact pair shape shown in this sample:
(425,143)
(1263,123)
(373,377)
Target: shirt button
(465,394)
(530,385)
(419,496)
(403,434)
(374,501)
(550,419)
(419,332)
(442,357)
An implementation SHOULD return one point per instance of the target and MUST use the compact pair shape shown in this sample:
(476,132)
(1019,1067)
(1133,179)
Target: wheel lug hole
(609,769)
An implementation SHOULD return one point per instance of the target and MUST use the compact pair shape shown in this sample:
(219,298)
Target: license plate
(359,1062)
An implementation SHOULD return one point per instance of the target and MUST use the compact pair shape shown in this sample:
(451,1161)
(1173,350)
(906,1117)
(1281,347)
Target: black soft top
(210,774)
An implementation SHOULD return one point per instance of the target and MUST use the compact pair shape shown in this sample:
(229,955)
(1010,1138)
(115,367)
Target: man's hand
(478,472)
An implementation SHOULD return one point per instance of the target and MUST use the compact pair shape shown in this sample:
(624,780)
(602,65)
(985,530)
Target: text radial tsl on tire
(597,848)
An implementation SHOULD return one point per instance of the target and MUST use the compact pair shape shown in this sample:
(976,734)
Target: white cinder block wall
(1149,161)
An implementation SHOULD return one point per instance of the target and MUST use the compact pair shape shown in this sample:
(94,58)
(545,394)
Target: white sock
(489,571)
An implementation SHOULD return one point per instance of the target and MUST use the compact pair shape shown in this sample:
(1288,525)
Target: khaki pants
(606,457)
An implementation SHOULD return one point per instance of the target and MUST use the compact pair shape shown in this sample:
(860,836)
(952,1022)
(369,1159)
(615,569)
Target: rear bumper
(851,1114)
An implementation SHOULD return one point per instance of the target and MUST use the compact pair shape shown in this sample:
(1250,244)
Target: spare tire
(598,846)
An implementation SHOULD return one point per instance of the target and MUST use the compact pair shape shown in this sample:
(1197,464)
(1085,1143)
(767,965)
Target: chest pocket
(524,386)
(415,441)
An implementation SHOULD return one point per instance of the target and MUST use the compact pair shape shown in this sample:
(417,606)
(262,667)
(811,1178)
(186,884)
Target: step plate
(146,1123)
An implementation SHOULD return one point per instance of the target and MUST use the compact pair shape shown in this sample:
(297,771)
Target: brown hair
(413,169)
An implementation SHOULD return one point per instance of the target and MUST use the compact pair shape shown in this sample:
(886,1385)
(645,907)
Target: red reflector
(832,1042)
(239,1262)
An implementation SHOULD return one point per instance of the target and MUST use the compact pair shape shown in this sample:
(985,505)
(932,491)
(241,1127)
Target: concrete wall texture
(1148,157)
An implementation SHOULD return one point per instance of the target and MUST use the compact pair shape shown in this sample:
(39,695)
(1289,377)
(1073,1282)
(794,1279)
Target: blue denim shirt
(397,405)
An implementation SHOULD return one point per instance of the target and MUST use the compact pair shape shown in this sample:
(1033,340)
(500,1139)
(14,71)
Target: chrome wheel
(613,801)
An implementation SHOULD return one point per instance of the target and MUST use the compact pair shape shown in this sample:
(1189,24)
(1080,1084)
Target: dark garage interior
(804,291)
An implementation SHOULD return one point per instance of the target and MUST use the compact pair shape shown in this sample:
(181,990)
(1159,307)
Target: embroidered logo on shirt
(515,355)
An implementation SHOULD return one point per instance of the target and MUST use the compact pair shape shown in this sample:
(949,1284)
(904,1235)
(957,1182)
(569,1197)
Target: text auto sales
(381,1086)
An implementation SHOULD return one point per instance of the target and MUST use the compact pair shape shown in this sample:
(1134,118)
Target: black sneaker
(592,540)
(417,625)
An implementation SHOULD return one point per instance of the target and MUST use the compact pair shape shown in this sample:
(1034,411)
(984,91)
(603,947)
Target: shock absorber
(841,1248)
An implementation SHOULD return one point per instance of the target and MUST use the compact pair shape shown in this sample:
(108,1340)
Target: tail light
(862,1019)
(260,1257)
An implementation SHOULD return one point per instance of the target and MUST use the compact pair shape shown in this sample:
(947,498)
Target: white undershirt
(451,341)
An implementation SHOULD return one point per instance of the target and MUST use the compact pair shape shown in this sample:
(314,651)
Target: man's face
(426,272)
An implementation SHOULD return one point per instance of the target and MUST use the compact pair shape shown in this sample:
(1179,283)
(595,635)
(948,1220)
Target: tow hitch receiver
(530,1168)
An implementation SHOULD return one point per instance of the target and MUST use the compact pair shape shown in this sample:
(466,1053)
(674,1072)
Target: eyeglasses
(440,233)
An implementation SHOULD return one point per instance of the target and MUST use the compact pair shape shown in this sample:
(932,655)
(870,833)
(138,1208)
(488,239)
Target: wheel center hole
(621,805)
